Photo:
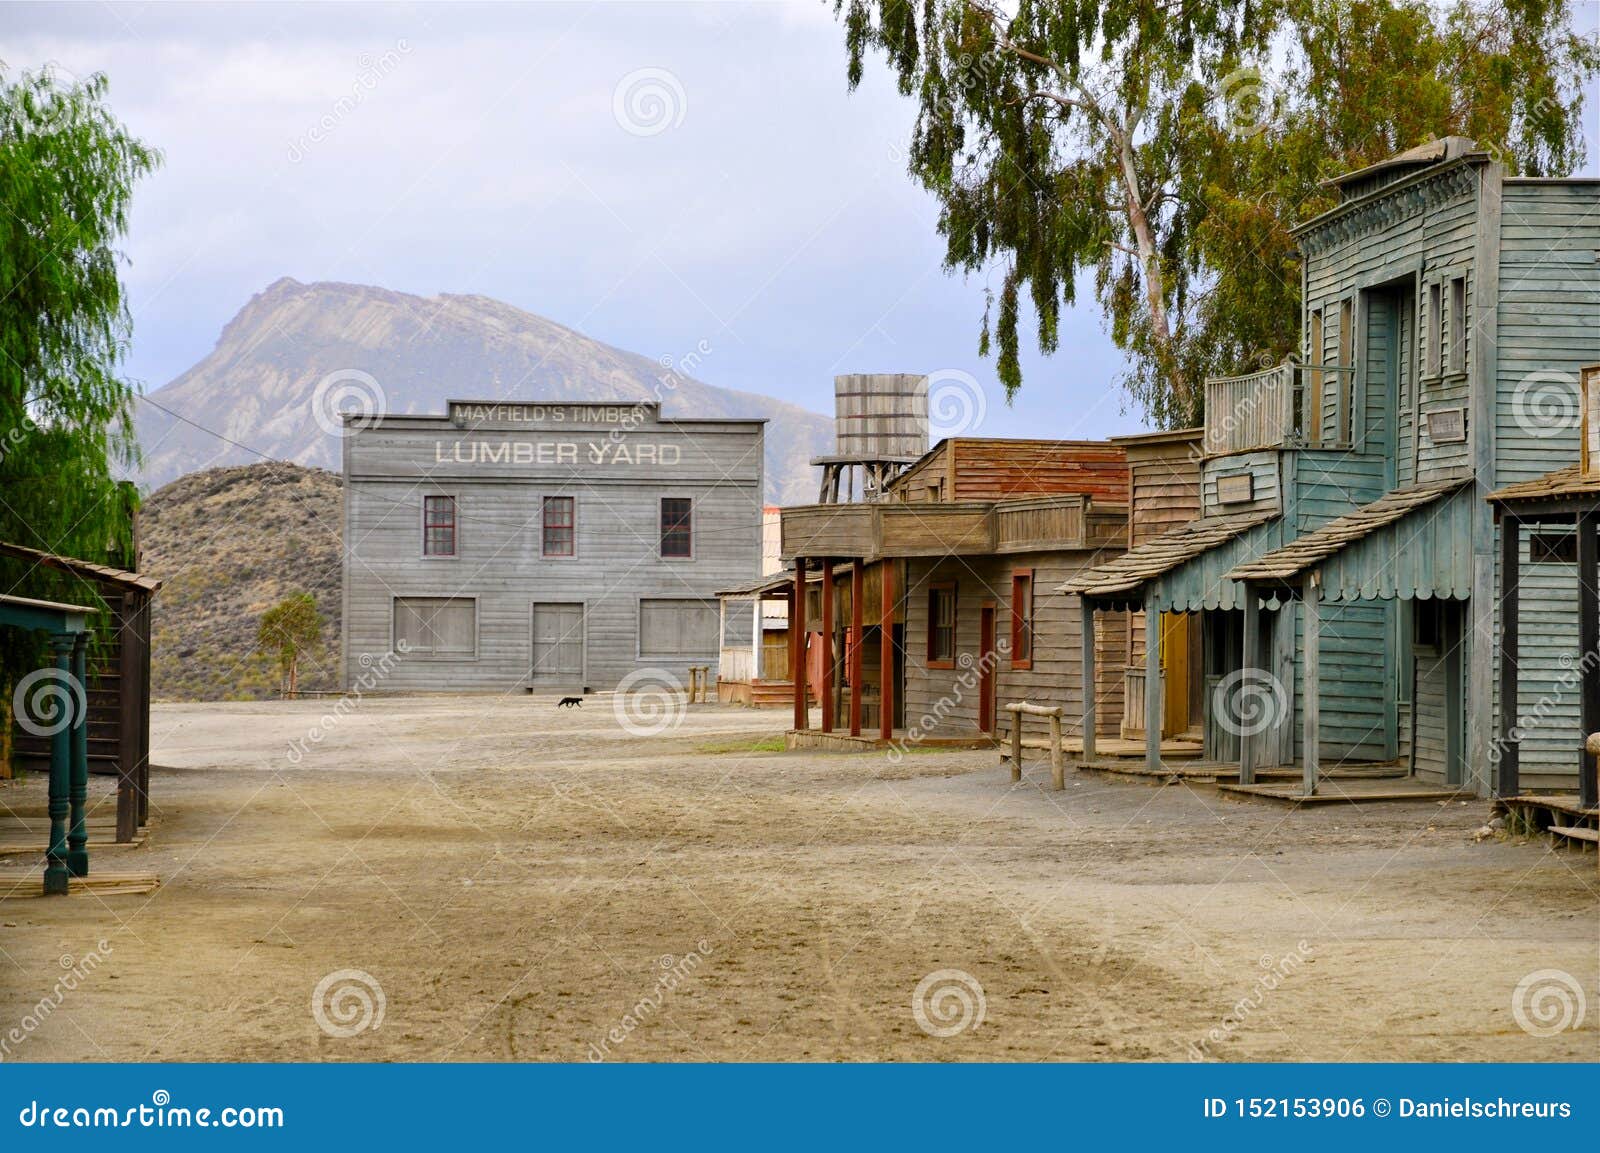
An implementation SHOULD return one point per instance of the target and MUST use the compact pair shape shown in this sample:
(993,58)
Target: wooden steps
(18,883)
(1577,833)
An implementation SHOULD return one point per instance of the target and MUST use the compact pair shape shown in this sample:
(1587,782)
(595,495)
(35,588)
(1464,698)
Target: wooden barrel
(880,415)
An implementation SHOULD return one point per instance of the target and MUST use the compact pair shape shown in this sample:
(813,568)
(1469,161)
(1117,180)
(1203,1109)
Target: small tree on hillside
(288,629)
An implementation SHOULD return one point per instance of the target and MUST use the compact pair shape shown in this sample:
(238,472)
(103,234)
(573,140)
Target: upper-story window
(1022,619)
(1314,358)
(1458,324)
(1435,362)
(559,526)
(438,526)
(677,526)
(942,626)
(1347,379)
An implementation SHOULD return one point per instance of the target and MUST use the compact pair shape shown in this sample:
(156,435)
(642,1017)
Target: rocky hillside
(257,386)
(230,543)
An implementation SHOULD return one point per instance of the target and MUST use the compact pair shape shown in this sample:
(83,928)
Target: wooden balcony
(1279,407)
(966,528)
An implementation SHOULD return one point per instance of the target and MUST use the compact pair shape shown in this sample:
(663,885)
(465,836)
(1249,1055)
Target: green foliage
(1160,152)
(290,628)
(67,170)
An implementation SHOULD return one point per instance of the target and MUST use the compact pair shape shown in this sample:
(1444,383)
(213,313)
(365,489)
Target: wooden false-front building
(553,546)
(1344,562)
(928,611)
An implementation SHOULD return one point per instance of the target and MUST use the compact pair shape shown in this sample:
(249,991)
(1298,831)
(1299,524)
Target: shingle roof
(1564,482)
(82,568)
(1162,554)
(1315,547)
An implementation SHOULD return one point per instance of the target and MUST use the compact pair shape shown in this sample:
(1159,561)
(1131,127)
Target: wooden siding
(948,698)
(963,469)
(1164,478)
(1546,330)
(391,466)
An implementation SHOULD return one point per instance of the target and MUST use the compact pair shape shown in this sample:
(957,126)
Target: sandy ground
(515,882)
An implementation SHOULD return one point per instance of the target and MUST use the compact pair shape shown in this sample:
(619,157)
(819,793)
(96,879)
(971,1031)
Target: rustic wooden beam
(797,646)
(886,655)
(1311,612)
(130,715)
(857,591)
(78,794)
(1510,587)
(1588,650)
(1252,644)
(827,644)
(1087,658)
(1152,683)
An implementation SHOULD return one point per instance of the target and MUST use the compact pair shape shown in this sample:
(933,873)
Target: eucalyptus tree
(1159,150)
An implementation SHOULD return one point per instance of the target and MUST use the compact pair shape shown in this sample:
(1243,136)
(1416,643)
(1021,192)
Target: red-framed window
(942,626)
(560,526)
(438,526)
(677,526)
(1022,618)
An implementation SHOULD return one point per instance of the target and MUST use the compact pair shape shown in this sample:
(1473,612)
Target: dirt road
(480,878)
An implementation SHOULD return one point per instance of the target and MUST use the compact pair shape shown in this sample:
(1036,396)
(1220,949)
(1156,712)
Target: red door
(986,668)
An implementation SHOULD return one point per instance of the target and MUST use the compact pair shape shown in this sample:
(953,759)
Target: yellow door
(1175,673)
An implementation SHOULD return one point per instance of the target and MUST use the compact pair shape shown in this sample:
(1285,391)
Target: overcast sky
(517,152)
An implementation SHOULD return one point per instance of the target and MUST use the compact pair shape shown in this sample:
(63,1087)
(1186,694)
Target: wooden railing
(965,528)
(1278,407)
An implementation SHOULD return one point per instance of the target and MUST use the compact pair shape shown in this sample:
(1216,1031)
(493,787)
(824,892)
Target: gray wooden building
(1345,560)
(553,546)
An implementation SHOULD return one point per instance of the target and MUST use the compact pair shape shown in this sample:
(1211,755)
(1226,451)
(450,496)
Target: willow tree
(67,171)
(1159,151)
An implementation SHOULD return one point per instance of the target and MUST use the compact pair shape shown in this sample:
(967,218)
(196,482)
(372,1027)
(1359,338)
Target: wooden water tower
(880,426)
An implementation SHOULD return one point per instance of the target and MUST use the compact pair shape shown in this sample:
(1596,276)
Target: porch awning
(1414,542)
(1185,563)
(1564,485)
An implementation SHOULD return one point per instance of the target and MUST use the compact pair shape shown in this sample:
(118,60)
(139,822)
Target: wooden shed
(118,692)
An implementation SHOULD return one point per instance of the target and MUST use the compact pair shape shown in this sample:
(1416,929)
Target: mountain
(230,543)
(256,386)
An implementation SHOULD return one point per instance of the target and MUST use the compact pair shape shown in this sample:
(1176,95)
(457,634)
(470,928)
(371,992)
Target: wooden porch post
(1152,683)
(1311,613)
(857,584)
(797,645)
(827,644)
(1588,651)
(1088,680)
(78,796)
(886,655)
(56,870)
(129,717)
(1252,645)
(1510,578)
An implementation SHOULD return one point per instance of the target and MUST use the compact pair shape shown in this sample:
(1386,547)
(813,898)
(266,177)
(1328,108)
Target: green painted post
(78,834)
(55,870)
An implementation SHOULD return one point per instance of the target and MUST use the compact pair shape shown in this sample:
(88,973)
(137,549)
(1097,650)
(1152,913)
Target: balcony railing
(964,528)
(1278,407)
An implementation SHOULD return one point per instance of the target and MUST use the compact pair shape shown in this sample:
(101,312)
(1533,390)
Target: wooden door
(558,646)
(986,662)
(1175,671)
